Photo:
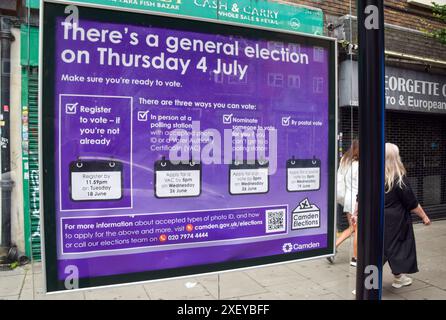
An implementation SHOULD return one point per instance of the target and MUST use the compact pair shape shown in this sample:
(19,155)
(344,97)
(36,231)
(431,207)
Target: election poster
(175,146)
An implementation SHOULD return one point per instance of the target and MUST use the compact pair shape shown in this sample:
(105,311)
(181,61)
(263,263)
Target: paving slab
(261,296)
(388,295)
(14,272)
(269,276)
(10,298)
(177,290)
(429,293)
(300,290)
(342,288)
(232,284)
(330,296)
(29,294)
(320,271)
(133,292)
(11,285)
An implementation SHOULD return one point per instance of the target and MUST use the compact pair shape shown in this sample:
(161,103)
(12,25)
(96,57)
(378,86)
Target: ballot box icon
(306,216)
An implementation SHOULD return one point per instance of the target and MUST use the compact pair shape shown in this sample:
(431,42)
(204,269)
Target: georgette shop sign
(272,14)
(406,90)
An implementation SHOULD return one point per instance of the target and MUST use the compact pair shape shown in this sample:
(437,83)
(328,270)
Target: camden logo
(295,23)
(290,247)
(287,247)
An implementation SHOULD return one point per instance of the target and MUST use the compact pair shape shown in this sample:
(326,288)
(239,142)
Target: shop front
(415,121)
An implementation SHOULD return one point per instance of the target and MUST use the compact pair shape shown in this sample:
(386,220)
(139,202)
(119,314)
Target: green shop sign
(33,4)
(272,14)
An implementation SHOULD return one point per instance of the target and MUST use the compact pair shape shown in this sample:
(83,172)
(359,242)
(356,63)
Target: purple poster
(179,144)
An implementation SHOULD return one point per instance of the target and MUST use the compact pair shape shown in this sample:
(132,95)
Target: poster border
(61,209)
(47,149)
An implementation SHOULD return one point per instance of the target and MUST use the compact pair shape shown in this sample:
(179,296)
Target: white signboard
(249,181)
(176,183)
(90,186)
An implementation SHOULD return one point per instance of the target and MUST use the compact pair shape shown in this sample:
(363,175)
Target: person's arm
(410,202)
(354,217)
(419,211)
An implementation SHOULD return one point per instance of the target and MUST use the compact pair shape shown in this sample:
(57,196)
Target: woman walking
(347,190)
(400,202)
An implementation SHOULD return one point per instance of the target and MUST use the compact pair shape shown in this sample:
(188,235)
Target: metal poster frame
(50,9)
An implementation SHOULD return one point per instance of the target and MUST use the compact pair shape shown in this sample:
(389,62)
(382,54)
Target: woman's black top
(399,238)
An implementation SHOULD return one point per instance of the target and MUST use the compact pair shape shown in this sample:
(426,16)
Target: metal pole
(372,154)
(5,182)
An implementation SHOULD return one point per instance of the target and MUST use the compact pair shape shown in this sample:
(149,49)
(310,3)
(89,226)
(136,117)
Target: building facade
(415,89)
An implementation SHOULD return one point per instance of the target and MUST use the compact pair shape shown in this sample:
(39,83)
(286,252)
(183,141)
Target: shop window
(318,54)
(294,81)
(237,81)
(274,45)
(275,80)
(318,84)
(218,78)
(294,47)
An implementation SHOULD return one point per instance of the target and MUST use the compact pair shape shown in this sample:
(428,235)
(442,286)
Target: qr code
(275,220)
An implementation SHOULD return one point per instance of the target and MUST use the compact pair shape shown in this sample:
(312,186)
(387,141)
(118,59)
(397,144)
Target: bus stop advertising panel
(174,146)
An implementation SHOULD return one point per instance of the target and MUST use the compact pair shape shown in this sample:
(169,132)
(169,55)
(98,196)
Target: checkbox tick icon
(227,118)
(71,108)
(142,115)
(286,121)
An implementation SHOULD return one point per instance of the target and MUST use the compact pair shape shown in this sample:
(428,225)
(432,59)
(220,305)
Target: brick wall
(397,12)
(404,41)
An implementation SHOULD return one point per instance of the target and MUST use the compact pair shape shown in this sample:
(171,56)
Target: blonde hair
(351,155)
(395,170)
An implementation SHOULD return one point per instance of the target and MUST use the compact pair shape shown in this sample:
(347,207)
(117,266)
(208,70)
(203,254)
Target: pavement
(309,280)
